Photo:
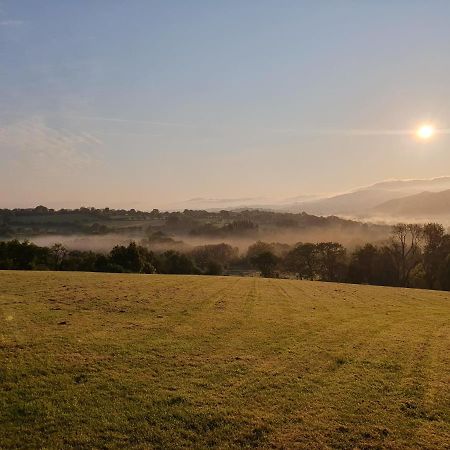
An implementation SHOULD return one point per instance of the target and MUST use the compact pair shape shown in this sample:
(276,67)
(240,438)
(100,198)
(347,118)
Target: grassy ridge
(100,360)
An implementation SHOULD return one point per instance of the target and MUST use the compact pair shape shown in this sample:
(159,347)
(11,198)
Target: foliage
(265,262)
(302,261)
(416,256)
(25,223)
(214,258)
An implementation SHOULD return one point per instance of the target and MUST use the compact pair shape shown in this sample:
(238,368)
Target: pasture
(152,361)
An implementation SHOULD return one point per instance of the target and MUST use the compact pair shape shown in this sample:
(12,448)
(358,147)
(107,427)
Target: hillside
(101,229)
(423,205)
(357,202)
(136,361)
(360,202)
(419,185)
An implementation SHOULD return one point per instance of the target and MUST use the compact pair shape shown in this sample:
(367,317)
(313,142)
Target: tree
(133,258)
(221,254)
(444,270)
(417,277)
(240,227)
(213,268)
(433,253)
(405,240)
(177,263)
(331,261)
(18,255)
(279,250)
(257,248)
(58,253)
(302,260)
(385,271)
(444,274)
(265,262)
(363,265)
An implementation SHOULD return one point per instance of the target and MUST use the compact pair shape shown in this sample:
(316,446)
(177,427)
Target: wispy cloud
(142,122)
(35,144)
(350,132)
(11,23)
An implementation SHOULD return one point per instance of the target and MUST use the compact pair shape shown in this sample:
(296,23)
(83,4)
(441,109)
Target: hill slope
(425,204)
(360,201)
(136,361)
(357,202)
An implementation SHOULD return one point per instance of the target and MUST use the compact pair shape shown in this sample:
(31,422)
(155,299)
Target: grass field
(147,361)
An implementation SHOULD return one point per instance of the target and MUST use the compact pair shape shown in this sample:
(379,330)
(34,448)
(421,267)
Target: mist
(102,244)
(185,242)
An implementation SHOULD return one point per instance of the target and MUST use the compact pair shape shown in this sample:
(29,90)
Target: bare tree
(59,253)
(405,247)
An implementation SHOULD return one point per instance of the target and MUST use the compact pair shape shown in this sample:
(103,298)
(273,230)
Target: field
(147,361)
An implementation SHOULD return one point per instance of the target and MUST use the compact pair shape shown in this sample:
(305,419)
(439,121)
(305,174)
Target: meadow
(158,361)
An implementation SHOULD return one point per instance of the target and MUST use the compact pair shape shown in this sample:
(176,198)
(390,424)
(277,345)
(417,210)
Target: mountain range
(386,199)
(421,206)
(391,200)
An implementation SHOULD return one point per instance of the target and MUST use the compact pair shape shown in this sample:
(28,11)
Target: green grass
(149,361)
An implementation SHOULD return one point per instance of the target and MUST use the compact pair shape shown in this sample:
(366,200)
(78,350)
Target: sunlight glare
(425,131)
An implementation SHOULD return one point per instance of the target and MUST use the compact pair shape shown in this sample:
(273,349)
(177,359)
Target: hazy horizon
(150,104)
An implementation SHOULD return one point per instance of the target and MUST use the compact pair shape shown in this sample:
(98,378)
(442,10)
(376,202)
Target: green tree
(302,260)
(265,262)
(133,258)
(363,265)
(331,261)
(433,253)
(177,263)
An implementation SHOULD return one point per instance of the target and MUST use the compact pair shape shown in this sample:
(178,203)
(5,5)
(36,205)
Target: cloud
(349,132)
(141,122)
(34,144)
(11,23)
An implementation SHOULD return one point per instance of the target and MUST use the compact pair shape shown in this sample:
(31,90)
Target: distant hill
(362,202)
(381,200)
(107,227)
(356,202)
(430,184)
(422,205)
(238,204)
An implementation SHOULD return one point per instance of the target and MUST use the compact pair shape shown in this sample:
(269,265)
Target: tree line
(131,258)
(414,256)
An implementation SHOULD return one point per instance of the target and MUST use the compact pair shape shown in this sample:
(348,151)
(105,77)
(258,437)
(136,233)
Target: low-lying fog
(392,220)
(104,243)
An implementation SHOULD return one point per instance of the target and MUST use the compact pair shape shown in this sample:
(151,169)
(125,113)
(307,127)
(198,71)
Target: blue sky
(142,104)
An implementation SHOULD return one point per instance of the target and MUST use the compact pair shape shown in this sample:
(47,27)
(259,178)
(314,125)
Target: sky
(142,104)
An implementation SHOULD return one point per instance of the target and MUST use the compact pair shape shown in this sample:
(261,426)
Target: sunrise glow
(425,131)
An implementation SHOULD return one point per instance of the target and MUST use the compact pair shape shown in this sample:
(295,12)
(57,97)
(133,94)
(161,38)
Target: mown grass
(137,361)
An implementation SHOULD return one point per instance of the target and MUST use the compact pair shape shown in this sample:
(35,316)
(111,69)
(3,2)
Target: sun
(425,131)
